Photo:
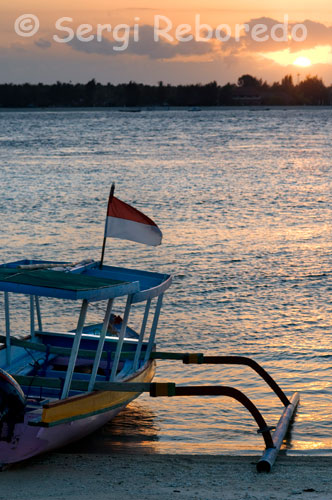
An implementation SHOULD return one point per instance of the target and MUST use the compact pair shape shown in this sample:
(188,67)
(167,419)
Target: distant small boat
(130,110)
(195,108)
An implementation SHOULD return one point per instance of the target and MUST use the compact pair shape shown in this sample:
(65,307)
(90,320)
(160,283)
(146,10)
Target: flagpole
(104,242)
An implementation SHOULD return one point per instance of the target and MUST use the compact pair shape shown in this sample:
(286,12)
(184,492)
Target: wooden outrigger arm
(273,441)
(266,462)
(195,358)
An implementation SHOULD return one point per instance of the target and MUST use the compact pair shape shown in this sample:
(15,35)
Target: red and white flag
(127,223)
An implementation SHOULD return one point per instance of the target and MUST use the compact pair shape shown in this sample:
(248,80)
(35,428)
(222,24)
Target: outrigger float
(57,387)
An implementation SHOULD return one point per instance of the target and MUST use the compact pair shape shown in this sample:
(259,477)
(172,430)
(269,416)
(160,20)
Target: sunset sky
(222,57)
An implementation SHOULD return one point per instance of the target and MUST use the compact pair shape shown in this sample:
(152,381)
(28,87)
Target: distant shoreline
(161,108)
(248,91)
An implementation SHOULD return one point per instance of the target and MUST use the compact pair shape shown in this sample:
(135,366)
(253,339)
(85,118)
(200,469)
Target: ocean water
(243,197)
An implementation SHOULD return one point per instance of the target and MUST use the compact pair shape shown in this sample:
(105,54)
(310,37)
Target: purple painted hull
(31,440)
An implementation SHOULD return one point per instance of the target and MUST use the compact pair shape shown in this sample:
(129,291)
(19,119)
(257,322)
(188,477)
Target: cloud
(49,66)
(146,46)
(43,44)
(317,34)
(167,50)
(253,42)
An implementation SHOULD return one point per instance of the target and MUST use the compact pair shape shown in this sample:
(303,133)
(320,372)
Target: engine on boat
(12,404)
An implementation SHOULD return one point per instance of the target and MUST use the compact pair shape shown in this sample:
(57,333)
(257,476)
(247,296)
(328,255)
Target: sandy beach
(87,476)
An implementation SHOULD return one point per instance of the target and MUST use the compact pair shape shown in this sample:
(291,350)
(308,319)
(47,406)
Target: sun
(304,62)
(302,59)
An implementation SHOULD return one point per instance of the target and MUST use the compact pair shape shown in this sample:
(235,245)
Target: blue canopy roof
(63,285)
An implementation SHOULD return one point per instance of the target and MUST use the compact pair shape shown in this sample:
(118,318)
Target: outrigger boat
(48,380)
(57,387)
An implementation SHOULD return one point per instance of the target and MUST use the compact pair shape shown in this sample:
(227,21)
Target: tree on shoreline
(248,91)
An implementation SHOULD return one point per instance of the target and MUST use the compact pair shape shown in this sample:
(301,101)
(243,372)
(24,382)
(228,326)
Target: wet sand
(140,477)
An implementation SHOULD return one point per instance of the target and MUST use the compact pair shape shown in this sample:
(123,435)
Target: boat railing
(120,341)
(154,294)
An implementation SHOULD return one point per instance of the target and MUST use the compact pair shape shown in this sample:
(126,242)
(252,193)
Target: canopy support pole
(37,303)
(141,335)
(75,348)
(154,327)
(32,318)
(121,338)
(100,344)
(7,316)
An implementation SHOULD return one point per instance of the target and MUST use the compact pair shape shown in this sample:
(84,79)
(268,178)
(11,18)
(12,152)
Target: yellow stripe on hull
(94,402)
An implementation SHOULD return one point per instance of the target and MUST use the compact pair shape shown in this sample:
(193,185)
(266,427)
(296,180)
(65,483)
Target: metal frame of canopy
(127,285)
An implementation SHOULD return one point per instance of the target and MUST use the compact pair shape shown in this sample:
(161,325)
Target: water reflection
(134,430)
(246,223)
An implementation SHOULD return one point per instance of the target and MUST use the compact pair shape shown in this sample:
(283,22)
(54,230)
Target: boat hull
(30,440)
